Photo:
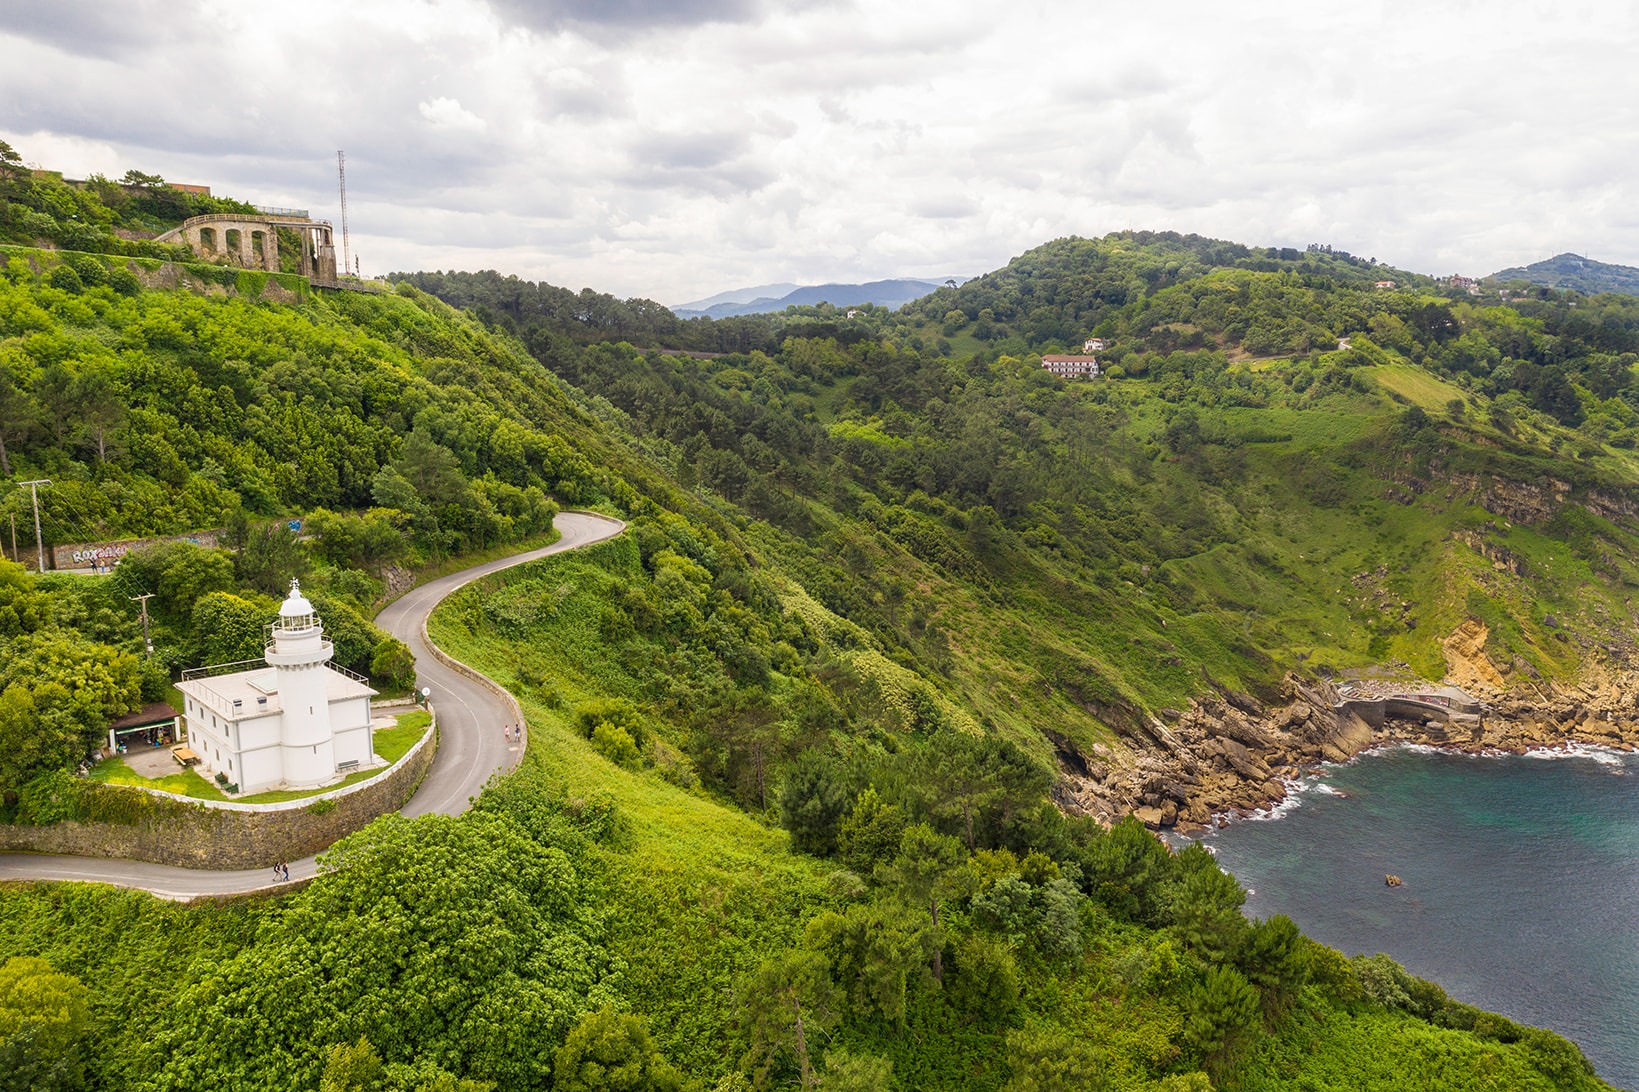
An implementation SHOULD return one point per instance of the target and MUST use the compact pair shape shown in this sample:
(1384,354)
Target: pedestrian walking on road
(276,873)
(286,867)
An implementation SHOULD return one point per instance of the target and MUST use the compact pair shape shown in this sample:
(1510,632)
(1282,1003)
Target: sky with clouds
(676,148)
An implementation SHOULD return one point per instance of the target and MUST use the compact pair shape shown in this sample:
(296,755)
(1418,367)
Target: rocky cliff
(1230,753)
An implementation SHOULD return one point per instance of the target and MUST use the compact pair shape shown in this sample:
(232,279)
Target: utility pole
(143,600)
(39,543)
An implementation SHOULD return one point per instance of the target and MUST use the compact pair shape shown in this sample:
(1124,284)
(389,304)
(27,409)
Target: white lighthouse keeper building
(297,723)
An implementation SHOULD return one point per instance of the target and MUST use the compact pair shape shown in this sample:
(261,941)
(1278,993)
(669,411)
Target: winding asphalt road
(471,743)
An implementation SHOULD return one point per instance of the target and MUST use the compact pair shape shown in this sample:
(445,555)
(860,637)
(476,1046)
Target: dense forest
(788,817)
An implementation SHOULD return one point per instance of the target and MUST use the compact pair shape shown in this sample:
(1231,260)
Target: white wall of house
(251,751)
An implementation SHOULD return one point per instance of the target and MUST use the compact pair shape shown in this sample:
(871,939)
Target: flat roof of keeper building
(246,694)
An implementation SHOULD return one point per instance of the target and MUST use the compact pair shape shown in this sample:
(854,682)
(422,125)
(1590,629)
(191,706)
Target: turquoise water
(1521,881)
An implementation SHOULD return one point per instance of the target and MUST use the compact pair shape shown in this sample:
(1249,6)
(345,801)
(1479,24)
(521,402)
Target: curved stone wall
(228,835)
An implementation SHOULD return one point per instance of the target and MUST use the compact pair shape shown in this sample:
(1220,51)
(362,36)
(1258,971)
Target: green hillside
(98,215)
(797,735)
(1202,521)
(1575,272)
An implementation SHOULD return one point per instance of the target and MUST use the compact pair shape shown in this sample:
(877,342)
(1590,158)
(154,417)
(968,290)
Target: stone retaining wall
(78,555)
(229,835)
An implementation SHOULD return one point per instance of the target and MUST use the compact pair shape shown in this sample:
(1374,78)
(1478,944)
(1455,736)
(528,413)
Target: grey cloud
(554,15)
(945,208)
(689,150)
(87,28)
(724,181)
(584,103)
(639,146)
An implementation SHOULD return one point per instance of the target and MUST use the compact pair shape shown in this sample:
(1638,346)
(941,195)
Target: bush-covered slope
(98,215)
(875,596)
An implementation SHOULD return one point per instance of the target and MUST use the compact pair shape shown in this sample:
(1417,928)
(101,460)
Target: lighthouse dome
(295,612)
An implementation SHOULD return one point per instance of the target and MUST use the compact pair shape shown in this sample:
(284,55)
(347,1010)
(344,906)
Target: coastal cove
(1521,874)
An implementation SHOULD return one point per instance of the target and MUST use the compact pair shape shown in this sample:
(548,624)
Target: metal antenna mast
(341,175)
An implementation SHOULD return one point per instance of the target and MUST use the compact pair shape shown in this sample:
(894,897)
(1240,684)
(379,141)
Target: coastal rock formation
(1467,664)
(1230,754)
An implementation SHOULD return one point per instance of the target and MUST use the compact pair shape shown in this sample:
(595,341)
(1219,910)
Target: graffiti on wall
(102,555)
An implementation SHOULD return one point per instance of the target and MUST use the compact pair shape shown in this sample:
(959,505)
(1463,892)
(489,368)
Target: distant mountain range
(738,295)
(757,301)
(1576,272)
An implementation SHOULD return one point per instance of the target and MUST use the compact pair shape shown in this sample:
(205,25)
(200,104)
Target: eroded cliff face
(1231,754)
(1468,665)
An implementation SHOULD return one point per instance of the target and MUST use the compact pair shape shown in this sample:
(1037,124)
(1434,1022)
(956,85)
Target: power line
(83,529)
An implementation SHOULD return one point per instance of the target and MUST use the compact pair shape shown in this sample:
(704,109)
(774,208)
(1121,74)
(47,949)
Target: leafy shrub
(615,712)
(118,804)
(672,765)
(124,282)
(65,278)
(984,977)
(50,798)
(610,1051)
(498,961)
(90,270)
(44,1016)
(392,664)
(871,833)
(615,743)
(1383,980)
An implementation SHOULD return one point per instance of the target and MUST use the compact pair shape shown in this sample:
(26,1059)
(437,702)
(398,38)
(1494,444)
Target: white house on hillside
(296,723)
(1072,367)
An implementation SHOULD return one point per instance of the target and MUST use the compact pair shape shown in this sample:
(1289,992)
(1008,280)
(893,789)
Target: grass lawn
(114,771)
(391,744)
(394,743)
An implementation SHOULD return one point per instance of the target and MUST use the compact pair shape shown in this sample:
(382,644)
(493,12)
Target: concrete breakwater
(1229,753)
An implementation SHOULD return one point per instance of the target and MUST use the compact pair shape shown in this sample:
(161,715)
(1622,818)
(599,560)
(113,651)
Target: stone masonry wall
(192,835)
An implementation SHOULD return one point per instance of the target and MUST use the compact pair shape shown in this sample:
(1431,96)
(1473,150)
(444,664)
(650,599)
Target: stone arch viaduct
(252,241)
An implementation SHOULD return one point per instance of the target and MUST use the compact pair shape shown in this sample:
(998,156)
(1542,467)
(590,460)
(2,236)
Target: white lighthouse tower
(294,722)
(298,655)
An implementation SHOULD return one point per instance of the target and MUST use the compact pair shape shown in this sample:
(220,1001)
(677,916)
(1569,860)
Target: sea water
(1520,875)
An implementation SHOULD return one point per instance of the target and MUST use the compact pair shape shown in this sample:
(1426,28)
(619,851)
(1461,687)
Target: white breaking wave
(1293,801)
(1605,756)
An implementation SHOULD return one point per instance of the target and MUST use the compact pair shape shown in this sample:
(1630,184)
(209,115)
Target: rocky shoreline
(1229,754)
